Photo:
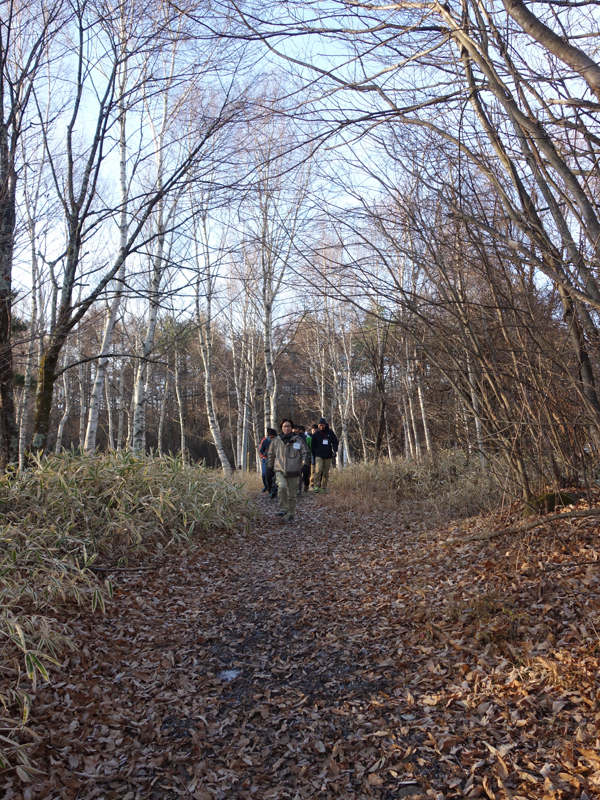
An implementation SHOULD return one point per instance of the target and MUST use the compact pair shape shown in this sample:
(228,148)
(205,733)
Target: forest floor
(346,656)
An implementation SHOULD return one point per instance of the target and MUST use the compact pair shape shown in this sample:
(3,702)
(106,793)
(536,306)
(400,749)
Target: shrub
(448,484)
(59,516)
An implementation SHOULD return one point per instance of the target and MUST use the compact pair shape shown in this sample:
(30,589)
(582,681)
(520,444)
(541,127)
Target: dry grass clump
(447,484)
(121,503)
(251,480)
(58,517)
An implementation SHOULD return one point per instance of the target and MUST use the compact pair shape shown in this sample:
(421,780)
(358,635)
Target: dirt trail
(331,658)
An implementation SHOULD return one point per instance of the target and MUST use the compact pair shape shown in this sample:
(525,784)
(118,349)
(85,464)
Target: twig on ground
(123,569)
(593,512)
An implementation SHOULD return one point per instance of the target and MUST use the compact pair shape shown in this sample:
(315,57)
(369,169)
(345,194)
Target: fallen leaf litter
(340,657)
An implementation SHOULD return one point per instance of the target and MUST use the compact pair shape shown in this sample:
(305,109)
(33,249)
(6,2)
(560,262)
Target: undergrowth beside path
(449,484)
(347,656)
(62,519)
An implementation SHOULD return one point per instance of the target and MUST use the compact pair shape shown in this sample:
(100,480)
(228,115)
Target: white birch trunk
(179,409)
(426,431)
(271,378)
(65,415)
(411,407)
(113,309)
(213,421)
(257,438)
(346,404)
(204,268)
(475,404)
(388,438)
(109,413)
(246,414)
(407,453)
(238,373)
(409,444)
(138,422)
(121,405)
(138,436)
(163,408)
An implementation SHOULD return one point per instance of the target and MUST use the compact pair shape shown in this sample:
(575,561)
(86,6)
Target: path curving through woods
(323,659)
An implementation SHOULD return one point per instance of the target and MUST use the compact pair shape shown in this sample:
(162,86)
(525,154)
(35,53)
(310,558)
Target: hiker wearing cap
(324,447)
(286,455)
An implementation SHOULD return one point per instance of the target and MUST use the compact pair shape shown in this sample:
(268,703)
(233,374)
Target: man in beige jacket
(285,456)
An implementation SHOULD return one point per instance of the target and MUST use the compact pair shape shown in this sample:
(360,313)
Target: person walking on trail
(267,477)
(300,430)
(286,455)
(324,446)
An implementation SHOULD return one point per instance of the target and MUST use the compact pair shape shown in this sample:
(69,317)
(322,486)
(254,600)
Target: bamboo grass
(56,518)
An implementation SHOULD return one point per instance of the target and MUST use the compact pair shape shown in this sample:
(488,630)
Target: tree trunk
(45,387)
(138,432)
(475,404)
(121,405)
(204,335)
(257,438)
(28,378)
(271,378)
(179,409)
(388,437)
(413,422)
(9,435)
(408,441)
(163,408)
(421,396)
(65,415)
(586,372)
(82,403)
(380,429)
(113,309)
(244,459)
(109,414)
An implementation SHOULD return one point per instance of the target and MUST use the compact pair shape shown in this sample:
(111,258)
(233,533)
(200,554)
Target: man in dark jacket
(300,431)
(324,446)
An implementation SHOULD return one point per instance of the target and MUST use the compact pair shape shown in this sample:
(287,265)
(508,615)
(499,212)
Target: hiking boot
(281,513)
(290,519)
(264,490)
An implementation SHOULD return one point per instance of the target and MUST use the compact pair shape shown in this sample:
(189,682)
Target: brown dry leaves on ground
(343,657)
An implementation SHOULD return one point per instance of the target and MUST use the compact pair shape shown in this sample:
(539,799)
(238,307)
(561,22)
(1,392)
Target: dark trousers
(268,478)
(306,475)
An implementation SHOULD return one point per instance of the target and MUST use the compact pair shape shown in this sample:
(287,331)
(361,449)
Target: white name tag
(297,445)
(325,441)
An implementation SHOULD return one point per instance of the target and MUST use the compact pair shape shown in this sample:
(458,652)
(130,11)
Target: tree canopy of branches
(384,214)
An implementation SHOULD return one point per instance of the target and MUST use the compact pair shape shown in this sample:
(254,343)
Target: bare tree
(78,176)
(26,30)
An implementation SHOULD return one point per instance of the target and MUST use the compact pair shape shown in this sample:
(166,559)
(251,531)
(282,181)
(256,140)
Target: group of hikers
(294,461)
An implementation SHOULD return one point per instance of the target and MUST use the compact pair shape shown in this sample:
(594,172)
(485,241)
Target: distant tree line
(202,229)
